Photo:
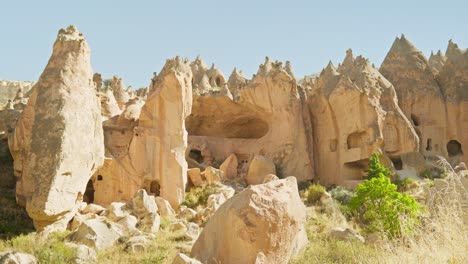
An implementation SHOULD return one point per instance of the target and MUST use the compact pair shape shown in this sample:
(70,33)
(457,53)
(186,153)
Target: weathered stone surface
(195,176)
(354,112)
(93,208)
(184,259)
(229,167)
(13,257)
(162,136)
(97,233)
(419,95)
(192,232)
(128,223)
(54,165)
(262,221)
(453,80)
(84,254)
(260,167)
(212,175)
(265,117)
(164,207)
(142,204)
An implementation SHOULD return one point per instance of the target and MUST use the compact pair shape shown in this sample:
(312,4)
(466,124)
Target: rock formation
(58,142)
(262,224)
(354,112)
(436,61)
(419,94)
(453,80)
(266,118)
(9,89)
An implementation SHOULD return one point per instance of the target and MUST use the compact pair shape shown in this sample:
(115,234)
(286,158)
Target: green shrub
(342,195)
(379,205)
(376,167)
(198,196)
(314,192)
(405,184)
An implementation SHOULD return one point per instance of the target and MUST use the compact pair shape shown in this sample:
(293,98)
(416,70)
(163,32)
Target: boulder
(264,222)
(142,204)
(269,178)
(116,211)
(78,219)
(195,176)
(150,223)
(212,175)
(177,226)
(229,167)
(14,257)
(98,233)
(84,254)
(259,167)
(184,259)
(164,207)
(58,142)
(93,208)
(192,232)
(128,223)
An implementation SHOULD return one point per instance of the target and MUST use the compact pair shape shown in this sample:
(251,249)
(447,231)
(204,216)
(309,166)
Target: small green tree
(376,167)
(379,205)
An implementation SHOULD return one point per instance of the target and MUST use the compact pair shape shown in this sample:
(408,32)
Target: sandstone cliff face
(419,94)
(264,117)
(354,112)
(453,79)
(158,149)
(58,141)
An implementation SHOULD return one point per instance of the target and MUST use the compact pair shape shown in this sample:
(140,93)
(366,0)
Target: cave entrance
(415,120)
(89,193)
(397,163)
(429,144)
(196,155)
(155,188)
(356,140)
(454,148)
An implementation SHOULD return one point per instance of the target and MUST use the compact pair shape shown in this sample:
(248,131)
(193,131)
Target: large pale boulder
(13,257)
(97,233)
(259,168)
(58,141)
(260,225)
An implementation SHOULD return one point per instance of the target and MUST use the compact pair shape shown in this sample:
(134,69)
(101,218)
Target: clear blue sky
(133,38)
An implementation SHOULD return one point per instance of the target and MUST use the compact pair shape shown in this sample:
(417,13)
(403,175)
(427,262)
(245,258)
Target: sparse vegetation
(162,249)
(198,196)
(52,249)
(376,168)
(314,192)
(380,207)
(342,195)
(13,219)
